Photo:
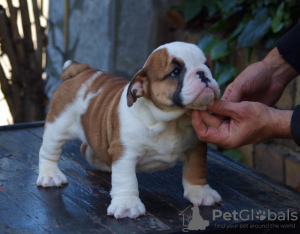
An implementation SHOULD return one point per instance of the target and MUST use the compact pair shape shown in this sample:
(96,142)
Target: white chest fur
(157,140)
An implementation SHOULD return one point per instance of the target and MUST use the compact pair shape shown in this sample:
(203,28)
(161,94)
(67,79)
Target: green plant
(234,154)
(235,24)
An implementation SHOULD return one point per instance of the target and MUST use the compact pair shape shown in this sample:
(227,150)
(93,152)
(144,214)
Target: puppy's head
(175,76)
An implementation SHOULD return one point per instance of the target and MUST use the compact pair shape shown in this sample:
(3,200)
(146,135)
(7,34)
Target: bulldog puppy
(141,126)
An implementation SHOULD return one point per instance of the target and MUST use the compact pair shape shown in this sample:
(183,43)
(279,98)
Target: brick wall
(280,158)
(277,158)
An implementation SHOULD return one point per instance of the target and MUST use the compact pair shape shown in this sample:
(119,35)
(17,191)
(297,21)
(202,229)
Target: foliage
(236,24)
(234,154)
(232,24)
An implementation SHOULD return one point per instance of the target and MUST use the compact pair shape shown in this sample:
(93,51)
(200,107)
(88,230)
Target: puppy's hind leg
(55,135)
(93,160)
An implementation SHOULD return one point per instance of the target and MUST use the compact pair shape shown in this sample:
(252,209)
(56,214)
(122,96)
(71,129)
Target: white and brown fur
(141,126)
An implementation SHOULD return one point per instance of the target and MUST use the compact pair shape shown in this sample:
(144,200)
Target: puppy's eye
(175,72)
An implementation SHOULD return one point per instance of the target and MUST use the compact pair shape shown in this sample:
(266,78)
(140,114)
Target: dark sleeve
(295,125)
(289,47)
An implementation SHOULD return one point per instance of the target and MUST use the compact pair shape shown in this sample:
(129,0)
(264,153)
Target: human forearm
(284,59)
(280,123)
(279,69)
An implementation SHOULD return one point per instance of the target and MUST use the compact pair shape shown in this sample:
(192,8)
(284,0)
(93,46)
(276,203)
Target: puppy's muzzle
(203,78)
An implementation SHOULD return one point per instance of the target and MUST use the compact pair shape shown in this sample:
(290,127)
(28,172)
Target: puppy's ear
(137,87)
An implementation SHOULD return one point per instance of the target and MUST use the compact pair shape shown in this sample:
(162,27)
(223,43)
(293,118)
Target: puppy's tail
(71,69)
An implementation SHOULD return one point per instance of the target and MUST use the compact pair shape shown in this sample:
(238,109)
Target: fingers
(210,120)
(198,124)
(217,130)
(227,93)
(224,108)
(206,126)
(232,93)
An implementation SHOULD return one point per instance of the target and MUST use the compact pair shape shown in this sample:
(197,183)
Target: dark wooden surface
(80,207)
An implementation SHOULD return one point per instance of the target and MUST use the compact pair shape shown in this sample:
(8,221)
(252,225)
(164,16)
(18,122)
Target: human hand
(248,122)
(263,81)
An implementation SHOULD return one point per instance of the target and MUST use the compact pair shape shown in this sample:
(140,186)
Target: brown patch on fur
(101,119)
(132,95)
(159,90)
(83,148)
(194,170)
(73,69)
(66,92)
(100,122)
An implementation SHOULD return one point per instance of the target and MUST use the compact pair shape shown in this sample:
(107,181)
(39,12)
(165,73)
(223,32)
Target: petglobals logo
(252,215)
(193,220)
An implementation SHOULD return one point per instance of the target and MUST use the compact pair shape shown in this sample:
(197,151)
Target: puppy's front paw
(51,176)
(202,195)
(122,207)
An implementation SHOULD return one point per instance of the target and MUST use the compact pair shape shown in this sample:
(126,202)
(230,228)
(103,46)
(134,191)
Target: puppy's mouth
(204,98)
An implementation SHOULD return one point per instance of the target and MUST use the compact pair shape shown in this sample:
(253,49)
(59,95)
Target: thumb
(232,93)
(223,108)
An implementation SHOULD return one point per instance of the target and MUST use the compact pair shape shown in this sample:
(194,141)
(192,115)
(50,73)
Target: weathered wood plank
(81,205)
(83,191)
(258,190)
(19,126)
(44,208)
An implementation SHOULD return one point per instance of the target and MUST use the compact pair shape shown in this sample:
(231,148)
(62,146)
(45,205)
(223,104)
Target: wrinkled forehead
(189,53)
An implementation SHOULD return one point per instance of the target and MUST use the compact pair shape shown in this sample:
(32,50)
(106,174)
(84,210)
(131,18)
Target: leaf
(217,26)
(219,50)
(287,19)
(270,2)
(227,75)
(235,33)
(272,11)
(207,42)
(270,43)
(226,5)
(234,154)
(211,7)
(280,10)
(232,12)
(191,9)
(277,28)
(224,78)
(229,7)
(247,17)
(218,69)
(277,23)
(255,29)
(224,72)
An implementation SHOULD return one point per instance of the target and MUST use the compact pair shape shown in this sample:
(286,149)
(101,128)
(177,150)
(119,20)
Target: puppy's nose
(203,78)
